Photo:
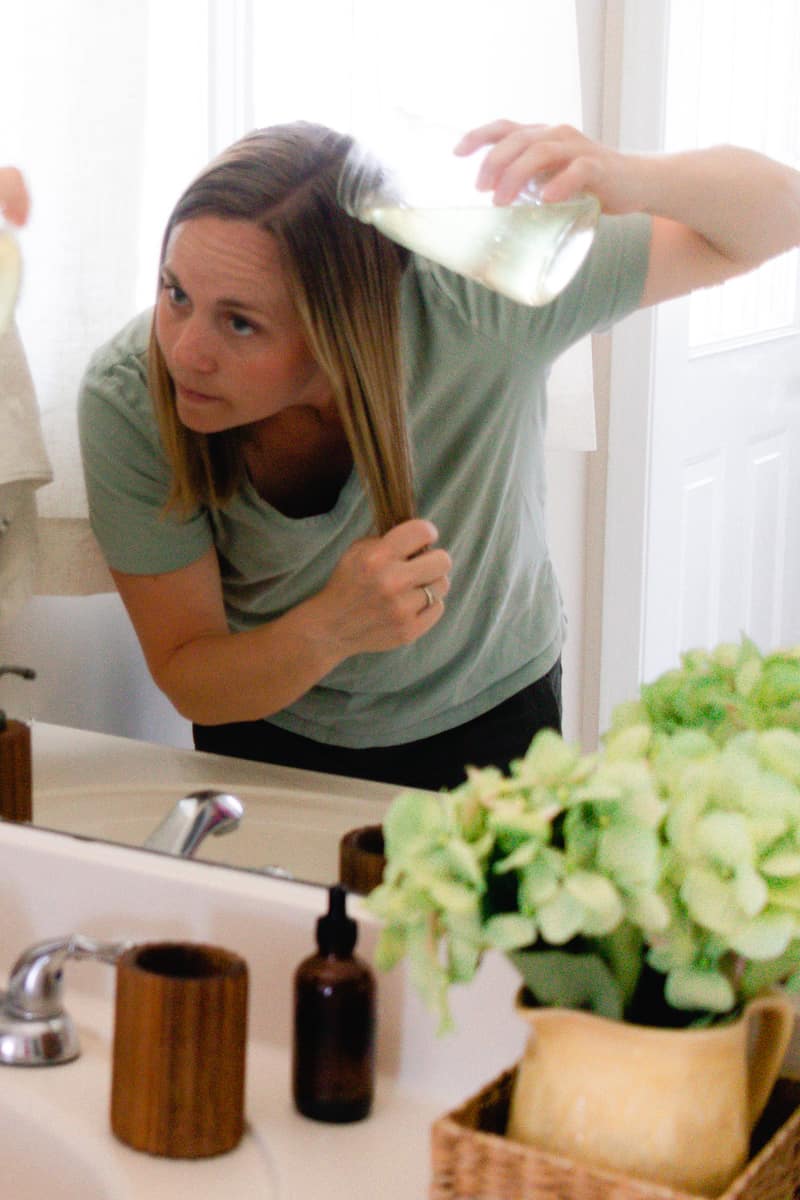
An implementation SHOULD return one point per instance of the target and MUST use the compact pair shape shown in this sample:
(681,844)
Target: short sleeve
(127,474)
(608,287)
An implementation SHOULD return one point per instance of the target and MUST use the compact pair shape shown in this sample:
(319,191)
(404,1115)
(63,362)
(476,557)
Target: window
(110,108)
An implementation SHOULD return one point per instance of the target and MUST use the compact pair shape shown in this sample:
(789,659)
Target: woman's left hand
(563,158)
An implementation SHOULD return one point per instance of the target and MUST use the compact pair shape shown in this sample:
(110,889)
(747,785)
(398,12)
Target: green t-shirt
(476,367)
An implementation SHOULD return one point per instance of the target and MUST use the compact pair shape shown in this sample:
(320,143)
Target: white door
(703,539)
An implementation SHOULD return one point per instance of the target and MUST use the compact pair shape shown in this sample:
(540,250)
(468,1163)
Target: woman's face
(228,330)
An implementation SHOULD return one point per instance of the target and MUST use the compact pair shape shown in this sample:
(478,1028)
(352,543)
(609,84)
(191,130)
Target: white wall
(91,673)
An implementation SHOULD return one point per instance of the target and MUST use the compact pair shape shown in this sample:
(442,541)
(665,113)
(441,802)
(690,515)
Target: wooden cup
(180,1032)
(361,859)
(16,784)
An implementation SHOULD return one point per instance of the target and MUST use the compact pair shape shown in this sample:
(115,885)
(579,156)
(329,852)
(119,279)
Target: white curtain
(110,106)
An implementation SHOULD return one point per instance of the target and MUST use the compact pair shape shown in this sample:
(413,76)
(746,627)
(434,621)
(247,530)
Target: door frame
(637,38)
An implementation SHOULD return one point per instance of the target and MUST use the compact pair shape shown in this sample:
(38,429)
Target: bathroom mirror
(119,790)
(635,590)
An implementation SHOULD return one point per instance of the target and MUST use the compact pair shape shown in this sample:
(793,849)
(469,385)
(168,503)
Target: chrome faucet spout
(192,819)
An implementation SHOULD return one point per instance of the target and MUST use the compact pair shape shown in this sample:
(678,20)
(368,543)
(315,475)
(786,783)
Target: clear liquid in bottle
(528,252)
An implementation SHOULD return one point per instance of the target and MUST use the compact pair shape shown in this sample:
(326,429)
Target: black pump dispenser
(334,1026)
(336,932)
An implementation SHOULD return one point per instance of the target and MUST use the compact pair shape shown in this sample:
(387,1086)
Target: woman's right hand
(385,591)
(374,600)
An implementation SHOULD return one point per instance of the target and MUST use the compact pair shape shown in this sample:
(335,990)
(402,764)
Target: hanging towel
(24,467)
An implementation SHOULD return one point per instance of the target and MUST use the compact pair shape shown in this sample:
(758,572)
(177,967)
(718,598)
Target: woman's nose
(192,348)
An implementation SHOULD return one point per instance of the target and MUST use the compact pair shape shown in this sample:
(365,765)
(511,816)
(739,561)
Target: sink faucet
(192,819)
(34,1028)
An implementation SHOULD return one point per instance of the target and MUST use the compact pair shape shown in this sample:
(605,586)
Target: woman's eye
(241,326)
(176,294)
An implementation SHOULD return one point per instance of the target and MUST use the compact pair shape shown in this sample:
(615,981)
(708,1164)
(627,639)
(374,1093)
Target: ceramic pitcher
(675,1106)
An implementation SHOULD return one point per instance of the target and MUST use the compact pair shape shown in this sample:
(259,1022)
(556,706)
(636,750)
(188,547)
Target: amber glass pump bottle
(333,1064)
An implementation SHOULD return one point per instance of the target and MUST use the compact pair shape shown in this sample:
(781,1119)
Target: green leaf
(601,902)
(724,838)
(391,947)
(548,757)
(628,712)
(694,988)
(452,897)
(765,937)
(752,893)
(509,931)
(413,822)
(581,831)
(463,959)
(521,858)
(538,883)
(784,864)
(648,910)
(559,978)
(463,864)
(629,741)
(623,951)
(676,947)
(757,977)
(561,918)
(779,751)
(710,900)
(630,854)
(784,895)
(430,979)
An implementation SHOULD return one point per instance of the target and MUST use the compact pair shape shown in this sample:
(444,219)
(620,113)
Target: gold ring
(430,595)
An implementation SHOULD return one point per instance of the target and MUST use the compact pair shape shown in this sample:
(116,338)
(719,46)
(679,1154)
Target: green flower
(660,875)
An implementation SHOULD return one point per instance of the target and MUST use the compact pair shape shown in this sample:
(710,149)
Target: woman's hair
(343,277)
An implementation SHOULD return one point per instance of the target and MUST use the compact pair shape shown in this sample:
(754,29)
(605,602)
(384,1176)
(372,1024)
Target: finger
(578,176)
(513,164)
(433,593)
(484,135)
(427,617)
(431,567)
(429,597)
(410,538)
(529,153)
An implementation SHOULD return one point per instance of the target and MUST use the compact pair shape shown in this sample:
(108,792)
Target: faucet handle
(35,985)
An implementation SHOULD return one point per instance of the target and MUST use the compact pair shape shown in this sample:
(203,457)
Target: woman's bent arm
(373,601)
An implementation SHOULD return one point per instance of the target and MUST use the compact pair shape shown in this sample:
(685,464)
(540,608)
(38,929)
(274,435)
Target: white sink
(293,819)
(34,1154)
(279,827)
(56,1140)
(57,1117)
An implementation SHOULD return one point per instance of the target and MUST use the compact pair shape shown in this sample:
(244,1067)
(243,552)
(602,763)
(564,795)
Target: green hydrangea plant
(657,880)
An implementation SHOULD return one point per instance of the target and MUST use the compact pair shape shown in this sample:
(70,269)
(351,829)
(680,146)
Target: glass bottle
(333,1061)
(418,192)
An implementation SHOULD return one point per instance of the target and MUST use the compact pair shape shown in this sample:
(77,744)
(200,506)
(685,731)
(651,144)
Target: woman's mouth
(190,396)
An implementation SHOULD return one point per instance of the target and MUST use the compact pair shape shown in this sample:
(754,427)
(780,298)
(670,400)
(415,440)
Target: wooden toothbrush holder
(180,1033)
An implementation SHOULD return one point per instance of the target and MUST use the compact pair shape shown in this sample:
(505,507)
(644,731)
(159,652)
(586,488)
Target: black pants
(493,739)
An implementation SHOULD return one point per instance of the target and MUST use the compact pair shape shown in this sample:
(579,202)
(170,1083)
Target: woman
(317,472)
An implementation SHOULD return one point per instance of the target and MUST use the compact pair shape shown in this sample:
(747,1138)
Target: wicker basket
(472,1160)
